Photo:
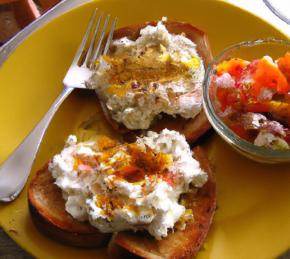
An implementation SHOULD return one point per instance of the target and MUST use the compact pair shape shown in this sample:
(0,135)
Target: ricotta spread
(134,186)
(159,72)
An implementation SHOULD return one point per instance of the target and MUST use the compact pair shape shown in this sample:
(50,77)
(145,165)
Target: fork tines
(95,43)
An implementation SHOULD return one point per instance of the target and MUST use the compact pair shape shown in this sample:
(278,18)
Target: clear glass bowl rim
(220,126)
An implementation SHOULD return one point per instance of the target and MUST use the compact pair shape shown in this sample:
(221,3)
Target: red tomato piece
(284,65)
(227,97)
(268,76)
(234,67)
(221,95)
(239,130)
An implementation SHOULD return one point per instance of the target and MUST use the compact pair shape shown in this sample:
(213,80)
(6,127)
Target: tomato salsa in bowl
(247,98)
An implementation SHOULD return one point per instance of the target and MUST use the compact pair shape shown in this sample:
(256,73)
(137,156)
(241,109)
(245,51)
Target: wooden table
(10,250)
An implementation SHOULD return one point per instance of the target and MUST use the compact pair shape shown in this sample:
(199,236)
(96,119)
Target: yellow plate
(252,220)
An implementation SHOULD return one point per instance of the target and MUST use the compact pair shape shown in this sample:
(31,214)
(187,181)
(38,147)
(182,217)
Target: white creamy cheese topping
(94,189)
(175,92)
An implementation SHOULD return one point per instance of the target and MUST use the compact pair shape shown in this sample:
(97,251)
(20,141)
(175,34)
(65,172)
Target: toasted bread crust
(192,129)
(179,244)
(47,208)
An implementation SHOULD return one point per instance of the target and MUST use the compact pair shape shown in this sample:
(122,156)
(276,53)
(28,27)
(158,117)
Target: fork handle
(16,169)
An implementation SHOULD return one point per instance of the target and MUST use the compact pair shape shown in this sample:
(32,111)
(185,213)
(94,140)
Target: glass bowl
(248,50)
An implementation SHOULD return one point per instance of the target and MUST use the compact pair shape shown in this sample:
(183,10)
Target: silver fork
(15,170)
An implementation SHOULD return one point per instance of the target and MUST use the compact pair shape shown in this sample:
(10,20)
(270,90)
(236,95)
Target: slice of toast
(180,243)
(192,129)
(47,208)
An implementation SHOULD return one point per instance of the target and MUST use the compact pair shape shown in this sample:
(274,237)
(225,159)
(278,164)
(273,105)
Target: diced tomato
(284,65)
(260,87)
(233,98)
(239,130)
(221,95)
(268,76)
(243,97)
(233,66)
(227,97)
(251,68)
